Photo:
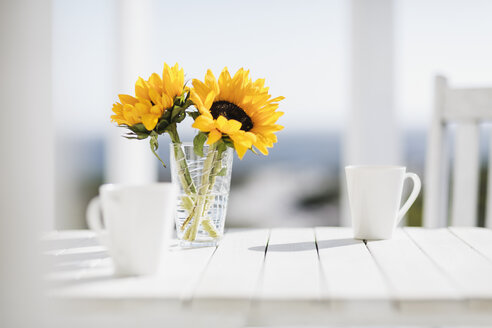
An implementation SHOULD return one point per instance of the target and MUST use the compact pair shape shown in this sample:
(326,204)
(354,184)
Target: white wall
(26,160)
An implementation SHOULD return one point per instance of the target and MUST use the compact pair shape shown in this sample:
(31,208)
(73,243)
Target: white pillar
(27,156)
(130,160)
(371,135)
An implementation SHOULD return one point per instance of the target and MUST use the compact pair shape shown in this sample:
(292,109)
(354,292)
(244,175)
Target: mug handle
(94,219)
(413,195)
(93,215)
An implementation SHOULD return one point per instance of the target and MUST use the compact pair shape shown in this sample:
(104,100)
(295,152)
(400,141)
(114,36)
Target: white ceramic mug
(375,195)
(138,221)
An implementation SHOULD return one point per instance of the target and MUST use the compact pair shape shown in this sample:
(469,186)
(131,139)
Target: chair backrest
(467,108)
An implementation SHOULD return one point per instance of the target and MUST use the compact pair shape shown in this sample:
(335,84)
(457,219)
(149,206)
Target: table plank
(291,287)
(70,253)
(291,269)
(349,269)
(470,271)
(411,274)
(178,276)
(235,268)
(478,238)
(230,280)
(58,242)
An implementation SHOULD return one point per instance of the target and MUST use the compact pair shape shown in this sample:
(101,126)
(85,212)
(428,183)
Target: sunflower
(237,108)
(152,98)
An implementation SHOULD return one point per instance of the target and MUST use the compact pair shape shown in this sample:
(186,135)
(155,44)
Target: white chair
(467,108)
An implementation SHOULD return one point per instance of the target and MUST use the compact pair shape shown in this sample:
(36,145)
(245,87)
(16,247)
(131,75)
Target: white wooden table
(278,277)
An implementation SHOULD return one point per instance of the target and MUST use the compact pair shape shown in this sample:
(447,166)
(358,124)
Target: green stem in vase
(179,156)
(202,194)
(199,210)
(216,170)
(209,228)
(191,210)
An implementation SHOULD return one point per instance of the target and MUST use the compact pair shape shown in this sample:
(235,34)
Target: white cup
(375,195)
(138,221)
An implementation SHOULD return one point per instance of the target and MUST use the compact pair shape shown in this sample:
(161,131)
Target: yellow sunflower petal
(211,82)
(224,82)
(261,147)
(214,136)
(167,102)
(267,118)
(203,123)
(276,99)
(117,108)
(154,96)
(127,99)
(240,138)
(268,108)
(156,82)
(150,121)
(200,89)
(118,119)
(197,101)
(250,136)
(141,89)
(231,126)
(180,78)
(156,110)
(221,122)
(130,114)
(172,79)
(141,83)
(142,109)
(209,100)
(168,80)
(241,150)
(144,101)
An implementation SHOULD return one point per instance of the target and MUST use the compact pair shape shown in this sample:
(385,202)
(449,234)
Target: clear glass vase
(204,183)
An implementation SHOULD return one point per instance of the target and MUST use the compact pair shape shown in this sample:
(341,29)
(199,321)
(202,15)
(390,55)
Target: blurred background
(357,77)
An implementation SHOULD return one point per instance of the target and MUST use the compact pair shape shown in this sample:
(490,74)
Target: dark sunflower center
(231,112)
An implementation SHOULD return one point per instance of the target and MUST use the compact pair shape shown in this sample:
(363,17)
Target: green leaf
(166,115)
(181,117)
(183,100)
(139,127)
(161,126)
(154,145)
(177,110)
(187,103)
(221,147)
(141,136)
(193,114)
(228,142)
(222,172)
(198,143)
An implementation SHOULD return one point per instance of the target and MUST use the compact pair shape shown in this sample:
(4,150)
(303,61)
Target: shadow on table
(306,246)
